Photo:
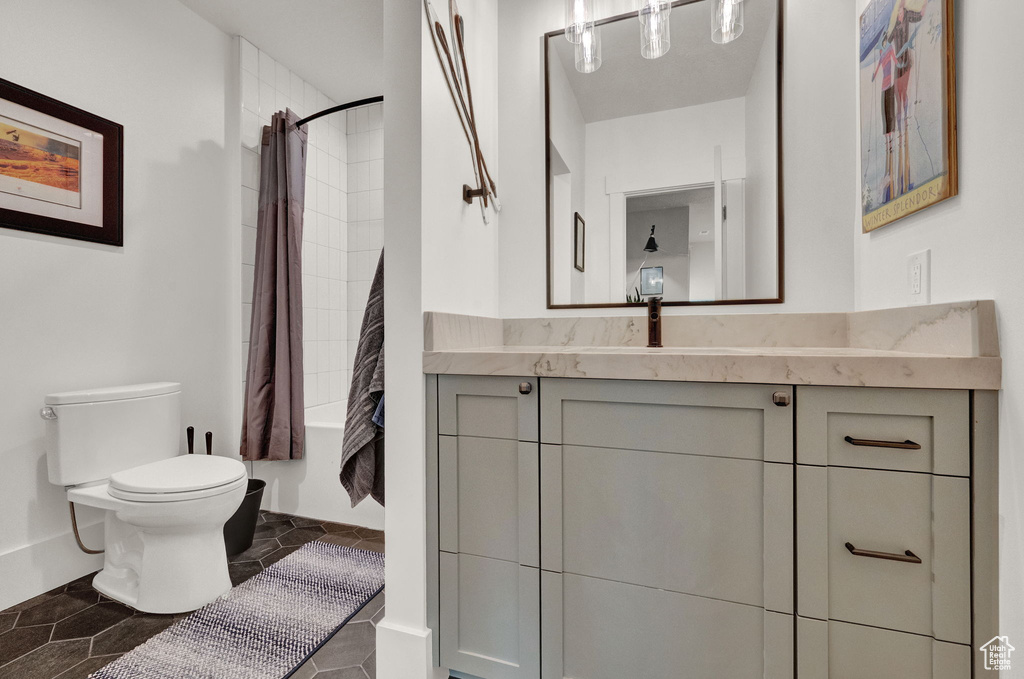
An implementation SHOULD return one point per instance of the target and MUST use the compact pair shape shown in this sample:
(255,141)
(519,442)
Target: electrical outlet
(919,279)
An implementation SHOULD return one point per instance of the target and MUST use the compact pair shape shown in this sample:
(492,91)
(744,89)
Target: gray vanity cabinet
(597,529)
(666,530)
(884,533)
(487,529)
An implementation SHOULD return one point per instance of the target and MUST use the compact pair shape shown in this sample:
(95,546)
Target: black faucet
(654,322)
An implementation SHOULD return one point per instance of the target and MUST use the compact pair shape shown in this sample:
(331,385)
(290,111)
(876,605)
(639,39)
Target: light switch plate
(919,278)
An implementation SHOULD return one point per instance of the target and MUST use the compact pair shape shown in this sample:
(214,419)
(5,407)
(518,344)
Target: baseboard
(404,652)
(33,569)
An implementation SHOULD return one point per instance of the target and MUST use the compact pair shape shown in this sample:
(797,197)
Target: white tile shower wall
(365,211)
(268,87)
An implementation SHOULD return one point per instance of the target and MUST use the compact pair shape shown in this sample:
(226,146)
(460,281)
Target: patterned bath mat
(266,626)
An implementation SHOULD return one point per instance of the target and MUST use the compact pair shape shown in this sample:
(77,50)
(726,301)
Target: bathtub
(310,486)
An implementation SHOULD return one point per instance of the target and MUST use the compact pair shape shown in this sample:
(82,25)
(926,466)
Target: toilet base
(171,573)
(163,557)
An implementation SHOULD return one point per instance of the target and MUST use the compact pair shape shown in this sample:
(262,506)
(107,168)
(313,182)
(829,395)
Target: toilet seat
(185,477)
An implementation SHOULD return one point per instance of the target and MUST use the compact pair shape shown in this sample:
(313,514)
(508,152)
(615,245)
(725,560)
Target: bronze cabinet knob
(525,388)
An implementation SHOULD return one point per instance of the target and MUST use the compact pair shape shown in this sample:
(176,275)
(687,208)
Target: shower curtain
(273,426)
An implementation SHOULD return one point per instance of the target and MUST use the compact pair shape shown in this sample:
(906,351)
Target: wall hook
(468,194)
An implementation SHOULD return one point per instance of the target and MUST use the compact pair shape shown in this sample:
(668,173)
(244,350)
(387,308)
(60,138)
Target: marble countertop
(757,365)
(938,347)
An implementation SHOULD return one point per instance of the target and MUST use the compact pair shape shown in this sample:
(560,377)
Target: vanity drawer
(838,650)
(893,548)
(899,429)
(488,407)
(691,418)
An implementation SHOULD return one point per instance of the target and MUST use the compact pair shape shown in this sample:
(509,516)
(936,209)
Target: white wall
(819,107)
(568,137)
(365,233)
(702,271)
(163,307)
(760,198)
(673,255)
(460,252)
(439,255)
(976,243)
(403,642)
(650,151)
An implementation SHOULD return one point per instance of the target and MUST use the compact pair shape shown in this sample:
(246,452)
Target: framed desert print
(60,168)
(907,108)
(579,242)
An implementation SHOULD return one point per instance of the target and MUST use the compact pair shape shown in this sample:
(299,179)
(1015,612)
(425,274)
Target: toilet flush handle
(48,413)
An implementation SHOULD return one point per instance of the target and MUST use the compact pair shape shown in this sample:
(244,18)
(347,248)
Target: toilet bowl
(164,549)
(117,450)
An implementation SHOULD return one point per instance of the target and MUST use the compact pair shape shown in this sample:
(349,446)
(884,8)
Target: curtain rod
(340,107)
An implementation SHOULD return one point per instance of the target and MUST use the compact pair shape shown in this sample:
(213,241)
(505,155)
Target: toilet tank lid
(112,393)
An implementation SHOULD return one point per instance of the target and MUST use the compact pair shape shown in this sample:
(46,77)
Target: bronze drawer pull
(906,557)
(903,445)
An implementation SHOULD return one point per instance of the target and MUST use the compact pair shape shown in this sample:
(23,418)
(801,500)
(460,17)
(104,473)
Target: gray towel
(362,456)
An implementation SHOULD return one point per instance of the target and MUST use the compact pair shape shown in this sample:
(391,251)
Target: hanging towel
(362,456)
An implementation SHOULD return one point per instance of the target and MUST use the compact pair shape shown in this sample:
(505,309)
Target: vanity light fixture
(652,245)
(588,50)
(655,37)
(578,15)
(728,22)
(655,28)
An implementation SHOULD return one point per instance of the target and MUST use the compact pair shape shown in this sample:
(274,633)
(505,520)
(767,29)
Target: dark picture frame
(579,242)
(652,280)
(61,168)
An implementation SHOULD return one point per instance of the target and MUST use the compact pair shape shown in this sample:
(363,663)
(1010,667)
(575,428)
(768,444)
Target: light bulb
(655,38)
(588,51)
(578,13)
(655,35)
(728,21)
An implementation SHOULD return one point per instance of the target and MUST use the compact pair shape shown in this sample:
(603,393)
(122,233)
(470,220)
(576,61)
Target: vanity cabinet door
(488,407)
(488,545)
(666,530)
(490,617)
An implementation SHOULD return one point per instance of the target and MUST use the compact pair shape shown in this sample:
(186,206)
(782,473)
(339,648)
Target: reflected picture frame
(579,242)
(61,168)
(652,280)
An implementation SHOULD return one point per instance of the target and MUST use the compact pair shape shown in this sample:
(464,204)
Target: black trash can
(239,529)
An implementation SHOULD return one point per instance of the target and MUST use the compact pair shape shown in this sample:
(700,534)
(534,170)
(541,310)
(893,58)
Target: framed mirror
(673,163)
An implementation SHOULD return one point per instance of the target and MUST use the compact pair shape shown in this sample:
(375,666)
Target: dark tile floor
(73,630)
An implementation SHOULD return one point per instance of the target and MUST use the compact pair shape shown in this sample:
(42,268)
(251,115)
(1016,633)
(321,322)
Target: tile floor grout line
(345,533)
(14,660)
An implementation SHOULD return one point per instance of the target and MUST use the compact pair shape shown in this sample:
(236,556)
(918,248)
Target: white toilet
(116,449)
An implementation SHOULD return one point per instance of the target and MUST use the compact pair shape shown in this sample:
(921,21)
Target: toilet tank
(93,433)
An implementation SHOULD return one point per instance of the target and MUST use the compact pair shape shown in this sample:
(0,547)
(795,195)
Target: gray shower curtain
(273,426)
